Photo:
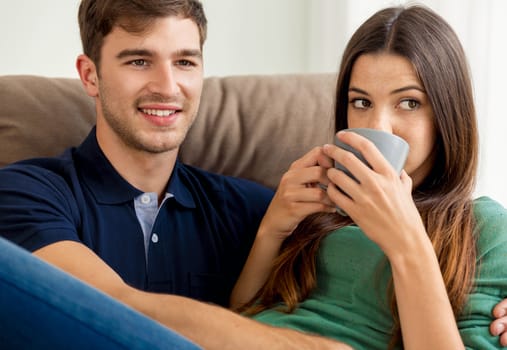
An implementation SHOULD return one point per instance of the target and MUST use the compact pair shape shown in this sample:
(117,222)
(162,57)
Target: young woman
(417,263)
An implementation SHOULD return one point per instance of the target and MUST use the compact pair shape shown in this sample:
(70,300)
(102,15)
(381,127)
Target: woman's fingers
(304,177)
(300,192)
(315,157)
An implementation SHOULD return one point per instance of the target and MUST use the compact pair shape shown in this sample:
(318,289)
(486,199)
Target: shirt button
(154,238)
(145,199)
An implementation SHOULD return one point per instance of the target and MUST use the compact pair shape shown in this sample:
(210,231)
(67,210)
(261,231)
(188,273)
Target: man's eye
(138,63)
(361,103)
(409,104)
(185,63)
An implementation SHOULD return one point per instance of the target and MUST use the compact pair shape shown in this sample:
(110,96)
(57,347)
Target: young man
(122,200)
(120,212)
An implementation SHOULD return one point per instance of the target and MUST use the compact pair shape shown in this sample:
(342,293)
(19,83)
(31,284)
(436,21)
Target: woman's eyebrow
(409,87)
(396,91)
(359,91)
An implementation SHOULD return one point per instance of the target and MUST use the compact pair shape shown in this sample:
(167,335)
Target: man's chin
(158,147)
(155,143)
(152,146)
(160,150)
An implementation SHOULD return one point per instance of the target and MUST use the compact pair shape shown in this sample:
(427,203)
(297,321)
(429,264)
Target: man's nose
(164,81)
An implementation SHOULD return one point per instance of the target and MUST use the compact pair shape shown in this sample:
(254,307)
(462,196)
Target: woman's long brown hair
(444,197)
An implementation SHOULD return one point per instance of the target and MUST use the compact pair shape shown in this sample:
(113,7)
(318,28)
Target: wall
(261,37)
(39,37)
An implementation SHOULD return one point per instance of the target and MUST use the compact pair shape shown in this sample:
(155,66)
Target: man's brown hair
(97,18)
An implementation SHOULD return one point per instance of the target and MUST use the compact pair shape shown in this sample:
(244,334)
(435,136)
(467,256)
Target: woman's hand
(381,203)
(299,194)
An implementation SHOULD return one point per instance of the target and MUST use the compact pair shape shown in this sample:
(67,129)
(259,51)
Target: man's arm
(210,326)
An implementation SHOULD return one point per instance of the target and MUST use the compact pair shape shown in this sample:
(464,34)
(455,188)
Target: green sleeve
(490,284)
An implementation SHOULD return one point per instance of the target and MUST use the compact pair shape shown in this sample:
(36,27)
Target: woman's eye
(361,103)
(409,105)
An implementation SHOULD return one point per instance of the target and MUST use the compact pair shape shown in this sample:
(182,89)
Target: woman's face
(386,94)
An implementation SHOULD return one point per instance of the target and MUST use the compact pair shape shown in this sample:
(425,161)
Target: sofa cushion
(255,126)
(41,116)
(248,126)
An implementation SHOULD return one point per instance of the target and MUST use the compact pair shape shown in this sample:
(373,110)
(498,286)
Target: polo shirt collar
(178,188)
(107,185)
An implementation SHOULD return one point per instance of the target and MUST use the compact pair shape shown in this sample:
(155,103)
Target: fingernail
(500,312)
(498,329)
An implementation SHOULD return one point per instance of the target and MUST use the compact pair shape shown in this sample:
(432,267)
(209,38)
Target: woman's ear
(88,74)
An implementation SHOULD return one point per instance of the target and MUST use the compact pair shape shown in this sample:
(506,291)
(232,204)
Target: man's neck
(148,172)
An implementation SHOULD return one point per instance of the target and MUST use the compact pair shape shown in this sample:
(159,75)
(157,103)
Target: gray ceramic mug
(393,148)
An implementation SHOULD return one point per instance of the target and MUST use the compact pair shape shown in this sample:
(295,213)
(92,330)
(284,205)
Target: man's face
(149,86)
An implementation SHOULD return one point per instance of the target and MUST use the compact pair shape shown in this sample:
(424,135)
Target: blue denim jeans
(42,307)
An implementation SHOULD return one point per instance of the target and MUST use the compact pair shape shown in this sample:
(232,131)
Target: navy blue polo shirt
(204,232)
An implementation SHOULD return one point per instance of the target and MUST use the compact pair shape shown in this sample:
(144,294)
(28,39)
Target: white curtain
(482,28)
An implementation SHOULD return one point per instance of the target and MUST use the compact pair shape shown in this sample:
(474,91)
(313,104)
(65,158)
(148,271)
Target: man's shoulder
(38,195)
(48,168)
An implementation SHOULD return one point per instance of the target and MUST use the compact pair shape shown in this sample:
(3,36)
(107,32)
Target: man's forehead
(141,27)
(172,30)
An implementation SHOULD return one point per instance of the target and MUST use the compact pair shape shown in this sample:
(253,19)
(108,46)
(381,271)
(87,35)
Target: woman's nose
(380,120)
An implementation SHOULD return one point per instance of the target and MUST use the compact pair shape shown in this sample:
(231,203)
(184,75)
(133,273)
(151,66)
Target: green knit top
(350,302)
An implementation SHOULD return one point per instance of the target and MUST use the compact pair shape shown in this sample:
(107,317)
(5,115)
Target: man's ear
(88,75)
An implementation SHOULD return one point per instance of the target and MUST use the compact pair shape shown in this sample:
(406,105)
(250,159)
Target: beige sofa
(248,126)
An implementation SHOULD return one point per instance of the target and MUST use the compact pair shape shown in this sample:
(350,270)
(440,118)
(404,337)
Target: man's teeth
(159,112)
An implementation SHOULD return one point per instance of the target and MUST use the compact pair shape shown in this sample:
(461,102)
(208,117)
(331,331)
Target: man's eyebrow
(147,53)
(134,52)
(189,53)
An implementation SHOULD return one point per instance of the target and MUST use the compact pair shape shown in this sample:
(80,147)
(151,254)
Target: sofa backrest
(248,126)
